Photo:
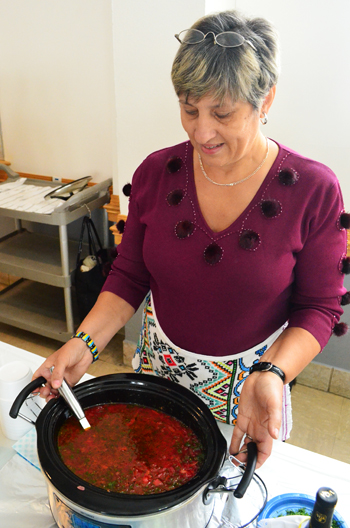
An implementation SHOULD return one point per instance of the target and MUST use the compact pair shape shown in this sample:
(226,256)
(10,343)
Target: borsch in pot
(130,449)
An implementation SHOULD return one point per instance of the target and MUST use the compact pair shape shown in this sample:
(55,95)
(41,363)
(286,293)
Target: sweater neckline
(236,224)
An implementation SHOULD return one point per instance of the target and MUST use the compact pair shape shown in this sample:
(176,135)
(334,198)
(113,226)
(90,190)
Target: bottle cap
(322,514)
(326,498)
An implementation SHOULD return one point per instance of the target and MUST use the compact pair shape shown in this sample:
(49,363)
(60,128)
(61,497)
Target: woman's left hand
(259,414)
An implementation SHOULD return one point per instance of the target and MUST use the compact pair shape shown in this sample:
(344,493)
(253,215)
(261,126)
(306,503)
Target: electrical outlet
(56,179)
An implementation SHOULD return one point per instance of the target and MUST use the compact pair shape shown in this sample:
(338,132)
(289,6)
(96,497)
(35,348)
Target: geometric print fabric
(217,382)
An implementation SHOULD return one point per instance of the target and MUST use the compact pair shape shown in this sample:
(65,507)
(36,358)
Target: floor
(321,421)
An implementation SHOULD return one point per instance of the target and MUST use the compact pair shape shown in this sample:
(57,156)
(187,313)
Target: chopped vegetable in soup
(130,449)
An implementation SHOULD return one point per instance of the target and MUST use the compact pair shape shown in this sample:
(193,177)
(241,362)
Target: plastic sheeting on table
(294,521)
(26,448)
(23,495)
(24,500)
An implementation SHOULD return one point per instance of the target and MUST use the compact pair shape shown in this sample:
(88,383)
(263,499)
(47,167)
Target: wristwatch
(264,366)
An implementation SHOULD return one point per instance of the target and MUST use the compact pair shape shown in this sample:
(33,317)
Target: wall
(85,84)
(56,87)
(311,112)
(146,105)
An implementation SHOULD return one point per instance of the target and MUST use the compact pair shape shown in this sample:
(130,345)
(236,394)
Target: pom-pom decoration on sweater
(288,177)
(344,220)
(340,329)
(184,229)
(345,265)
(174,164)
(175,197)
(249,240)
(213,254)
(127,189)
(121,226)
(271,208)
(345,299)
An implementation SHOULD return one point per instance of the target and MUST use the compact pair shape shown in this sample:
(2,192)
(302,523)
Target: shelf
(42,301)
(36,307)
(37,257)
(77,206)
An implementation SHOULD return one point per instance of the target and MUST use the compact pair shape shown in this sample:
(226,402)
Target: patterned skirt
(217,380)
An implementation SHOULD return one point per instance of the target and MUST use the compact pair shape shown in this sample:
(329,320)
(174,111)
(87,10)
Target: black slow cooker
(75,503)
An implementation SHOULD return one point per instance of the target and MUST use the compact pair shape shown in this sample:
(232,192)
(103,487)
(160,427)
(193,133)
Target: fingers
(259,418)
(58,373)
(236,440)
(264,450)
(274,423)
(54,378)
(71,361)
(47,393)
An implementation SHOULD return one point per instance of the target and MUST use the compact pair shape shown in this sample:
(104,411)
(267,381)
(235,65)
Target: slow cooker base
(189,514)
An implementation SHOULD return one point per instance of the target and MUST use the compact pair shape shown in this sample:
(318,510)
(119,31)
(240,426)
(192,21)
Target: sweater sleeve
(129,277)
(318,282)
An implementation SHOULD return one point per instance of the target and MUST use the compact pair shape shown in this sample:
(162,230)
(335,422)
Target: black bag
(88,284)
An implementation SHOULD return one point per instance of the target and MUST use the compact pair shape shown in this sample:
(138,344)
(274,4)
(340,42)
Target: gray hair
(239,73)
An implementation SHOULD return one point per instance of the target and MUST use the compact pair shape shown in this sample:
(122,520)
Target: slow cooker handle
(23,395)
(249,470)
(221,484)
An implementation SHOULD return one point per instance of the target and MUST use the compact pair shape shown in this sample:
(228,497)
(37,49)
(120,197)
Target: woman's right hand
(71,361)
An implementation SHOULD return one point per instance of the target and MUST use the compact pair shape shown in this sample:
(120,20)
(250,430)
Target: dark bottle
(322,514)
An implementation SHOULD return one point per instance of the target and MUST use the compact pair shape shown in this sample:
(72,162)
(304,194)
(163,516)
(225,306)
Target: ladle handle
(249,470)
(23,395)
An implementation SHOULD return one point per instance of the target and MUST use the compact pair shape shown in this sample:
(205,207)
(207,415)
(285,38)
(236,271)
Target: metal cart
(45,263)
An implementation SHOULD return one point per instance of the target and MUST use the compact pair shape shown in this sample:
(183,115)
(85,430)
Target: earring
(264,119)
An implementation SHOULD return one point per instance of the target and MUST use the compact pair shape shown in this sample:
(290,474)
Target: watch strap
(265,366)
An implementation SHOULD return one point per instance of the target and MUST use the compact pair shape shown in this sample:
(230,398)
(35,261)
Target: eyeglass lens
(227,38)
(191,36)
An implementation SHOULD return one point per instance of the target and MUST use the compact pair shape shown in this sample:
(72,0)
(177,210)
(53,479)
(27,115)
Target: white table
(9,353)
(289,469)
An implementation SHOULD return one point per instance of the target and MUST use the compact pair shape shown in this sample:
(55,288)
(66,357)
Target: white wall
(146,105)
(56,86)
(311,112)
(85,84)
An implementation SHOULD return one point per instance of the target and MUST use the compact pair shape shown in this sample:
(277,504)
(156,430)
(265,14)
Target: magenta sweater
(222,293)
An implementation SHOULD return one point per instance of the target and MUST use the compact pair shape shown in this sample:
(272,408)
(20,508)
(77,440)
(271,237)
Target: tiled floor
(321,421)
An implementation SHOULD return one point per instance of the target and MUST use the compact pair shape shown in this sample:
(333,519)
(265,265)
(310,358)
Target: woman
(239,240)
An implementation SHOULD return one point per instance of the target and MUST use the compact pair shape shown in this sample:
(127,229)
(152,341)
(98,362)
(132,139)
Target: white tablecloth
(289,469)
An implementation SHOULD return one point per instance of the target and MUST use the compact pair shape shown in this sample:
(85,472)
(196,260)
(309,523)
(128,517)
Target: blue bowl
(278,506)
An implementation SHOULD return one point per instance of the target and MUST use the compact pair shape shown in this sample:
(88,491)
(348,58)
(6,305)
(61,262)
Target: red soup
(130,449)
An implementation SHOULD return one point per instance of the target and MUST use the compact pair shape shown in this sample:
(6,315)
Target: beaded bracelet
(89,342)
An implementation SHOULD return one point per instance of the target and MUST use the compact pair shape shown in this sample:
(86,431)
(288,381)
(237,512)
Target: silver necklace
(239,181)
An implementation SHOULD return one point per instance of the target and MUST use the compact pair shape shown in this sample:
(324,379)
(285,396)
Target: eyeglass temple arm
(177,37)
(251,44)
